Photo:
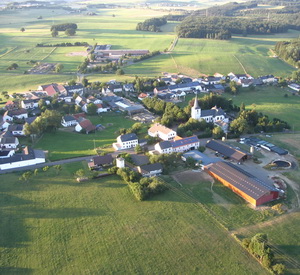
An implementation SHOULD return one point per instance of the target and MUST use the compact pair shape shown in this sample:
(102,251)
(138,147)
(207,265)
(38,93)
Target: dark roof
(212,112)
(225,150)
(102,160)
(29,154)
(184,85)
(29,120)
(7,140)
(15,127)
(279,150)
(69,118)
(15,112)
(73,87)
(196,103)
(4,153)
(241,179)
(151,167)
(165,144)
(184,141)
(128,137)
(140,159)
(6,134)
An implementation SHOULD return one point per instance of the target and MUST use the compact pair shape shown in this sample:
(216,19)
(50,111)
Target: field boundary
(240,64)
(49,54)
(8,52)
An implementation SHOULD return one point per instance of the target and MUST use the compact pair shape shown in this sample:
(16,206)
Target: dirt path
(240,64)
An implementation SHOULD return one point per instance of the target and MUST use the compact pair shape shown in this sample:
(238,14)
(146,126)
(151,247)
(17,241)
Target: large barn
(226,150)
(243,183)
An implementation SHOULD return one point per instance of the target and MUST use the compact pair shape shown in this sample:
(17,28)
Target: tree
(58,168)
(46,168)
(58,67)
(190,162)
(54,33)
(25,176)
(70,32)
(120,72)
(217,132)
(36,171)
(278,269)
(296,76)
(52,118)
(138,149)
(79,173)
(136,127)
(22,29)
(92,109)
(13,66)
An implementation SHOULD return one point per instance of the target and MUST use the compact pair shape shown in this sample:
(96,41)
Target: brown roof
(87,125)
(78,115)
(99,105)
(160,128)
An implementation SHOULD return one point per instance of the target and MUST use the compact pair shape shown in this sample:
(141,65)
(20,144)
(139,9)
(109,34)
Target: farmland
(67,144)
(54,225)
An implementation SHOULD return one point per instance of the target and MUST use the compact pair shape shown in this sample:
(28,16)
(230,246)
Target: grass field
(65,144)
(54,225)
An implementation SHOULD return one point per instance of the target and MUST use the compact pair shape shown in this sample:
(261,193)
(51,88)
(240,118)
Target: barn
(242,183)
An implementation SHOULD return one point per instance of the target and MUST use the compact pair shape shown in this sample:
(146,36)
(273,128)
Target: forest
(223,27)
(151,25)
(289,51)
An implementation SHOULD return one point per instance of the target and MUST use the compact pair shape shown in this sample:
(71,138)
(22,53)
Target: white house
(85,125)
(4,125)
(268,78)
(150,170)
(30,103)
(128,87)
(16,129)
(178,145)
(6,153)
(27,158)
(9,142)
(68,120)
(92,99)
(163,132)
(237,77)
(126,141)
(101,108)
(18,114)
(294,87)
(210,80)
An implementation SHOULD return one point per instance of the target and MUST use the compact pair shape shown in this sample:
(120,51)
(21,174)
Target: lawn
(66,144)
(54,225)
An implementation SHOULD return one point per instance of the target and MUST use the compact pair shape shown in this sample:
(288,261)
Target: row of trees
(152,24)
(142,188)
(64,27)
(223,27)
(146,56)
(65,44)
(289,51)
(258,246)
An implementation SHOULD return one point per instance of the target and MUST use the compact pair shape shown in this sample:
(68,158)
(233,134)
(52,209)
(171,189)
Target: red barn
(243,183)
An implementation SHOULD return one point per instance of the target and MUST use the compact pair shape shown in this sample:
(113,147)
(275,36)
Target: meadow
(54,225)
(64,143)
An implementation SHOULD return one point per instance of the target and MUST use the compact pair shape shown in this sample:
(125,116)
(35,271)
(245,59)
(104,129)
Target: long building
(242,183)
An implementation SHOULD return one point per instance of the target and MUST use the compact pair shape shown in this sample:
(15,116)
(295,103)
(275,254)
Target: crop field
(203,56)
(52,224)
(67,144)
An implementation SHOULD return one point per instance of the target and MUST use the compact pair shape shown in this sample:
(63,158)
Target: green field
(67,144)
(54,225)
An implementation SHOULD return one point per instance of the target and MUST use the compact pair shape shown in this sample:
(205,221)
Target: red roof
(77,116)
(87,125)
(50,90)
(99,105)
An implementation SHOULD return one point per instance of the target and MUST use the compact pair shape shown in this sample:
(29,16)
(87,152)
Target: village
(220,160)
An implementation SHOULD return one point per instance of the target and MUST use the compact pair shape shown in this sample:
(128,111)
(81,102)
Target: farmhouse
(16,129)
(68,120)
(226,150)
(150,170)
(126,141)
(26,158)
(15,114)
(100,161)
(85,125)
(163,132)
(30,103)
(177,146)
(241,182)
(268,78)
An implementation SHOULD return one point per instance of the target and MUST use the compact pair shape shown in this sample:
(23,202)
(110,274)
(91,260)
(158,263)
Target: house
(186,87)
(128,87)
(226,150)
(6,153)
(92,99)
(150,170)
(16,129)
(115,88)
(246,185)
(237,77)
(163,132)
(294,87)
(211,80)
(213,115)
(101,108)
(68,120)
(215,88)
(99,161)
(142,96)
(27,158)
(85,125)
(15,114)
(9,142)
(52,89)
(178,146)
(4,125)
(11,105)
(245,83)
(268,79)
(74,89)
(30,103)
(128,106)
(126,141)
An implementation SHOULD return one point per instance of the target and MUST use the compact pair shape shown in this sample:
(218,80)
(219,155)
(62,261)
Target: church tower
(196,110)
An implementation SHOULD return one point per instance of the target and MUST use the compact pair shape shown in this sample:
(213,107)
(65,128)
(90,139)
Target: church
(214,115)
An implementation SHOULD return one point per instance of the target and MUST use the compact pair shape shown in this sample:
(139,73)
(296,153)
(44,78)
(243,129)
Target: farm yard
(105,230)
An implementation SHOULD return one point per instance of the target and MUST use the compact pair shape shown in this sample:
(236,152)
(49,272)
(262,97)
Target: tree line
(65,44)
(146,56)
(289,51)
(64,27)
(152,24)
(222,27)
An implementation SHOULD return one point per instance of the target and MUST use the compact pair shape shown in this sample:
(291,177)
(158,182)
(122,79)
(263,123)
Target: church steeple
(196,110)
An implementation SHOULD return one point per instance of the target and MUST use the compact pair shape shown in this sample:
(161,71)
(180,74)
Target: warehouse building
(242,183)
